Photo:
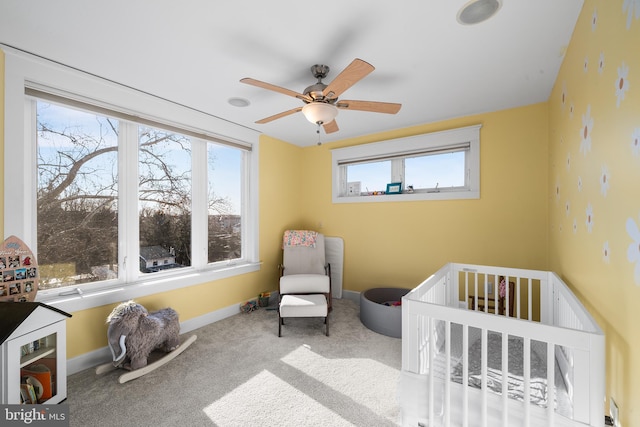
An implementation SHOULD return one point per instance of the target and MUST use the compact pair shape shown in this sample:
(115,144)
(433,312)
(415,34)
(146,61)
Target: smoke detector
(477,11)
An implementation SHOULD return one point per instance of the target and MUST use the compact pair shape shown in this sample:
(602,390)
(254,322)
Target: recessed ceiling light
(239,102)
(477,11)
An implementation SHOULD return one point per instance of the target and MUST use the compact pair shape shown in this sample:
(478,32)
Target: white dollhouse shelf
(32,333)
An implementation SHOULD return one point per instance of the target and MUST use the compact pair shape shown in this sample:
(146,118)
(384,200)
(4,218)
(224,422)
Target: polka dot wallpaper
(595,178)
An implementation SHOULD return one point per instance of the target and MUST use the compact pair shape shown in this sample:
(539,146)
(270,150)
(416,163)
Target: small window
(436,171)
(440,165)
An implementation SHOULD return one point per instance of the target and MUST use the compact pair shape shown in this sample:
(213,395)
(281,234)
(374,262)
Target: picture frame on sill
(353,188)
(394,188)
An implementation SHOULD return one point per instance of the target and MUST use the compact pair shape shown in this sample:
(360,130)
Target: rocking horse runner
(134,333)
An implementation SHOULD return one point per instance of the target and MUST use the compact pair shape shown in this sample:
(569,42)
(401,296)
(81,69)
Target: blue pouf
(378,313)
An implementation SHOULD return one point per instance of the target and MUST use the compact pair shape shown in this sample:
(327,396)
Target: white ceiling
(194,52)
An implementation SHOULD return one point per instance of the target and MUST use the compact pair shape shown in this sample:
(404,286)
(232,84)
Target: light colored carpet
(239,373)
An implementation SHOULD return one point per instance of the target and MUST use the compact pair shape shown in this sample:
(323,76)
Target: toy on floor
(134,333)
(248,307)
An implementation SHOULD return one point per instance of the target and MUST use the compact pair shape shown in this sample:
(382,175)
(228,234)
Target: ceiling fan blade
(279,116)
(351,75)
(269,86)
(330,127)
(373,106)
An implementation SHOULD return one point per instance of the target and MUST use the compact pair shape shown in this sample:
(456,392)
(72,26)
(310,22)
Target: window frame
(20,206)
(408,147)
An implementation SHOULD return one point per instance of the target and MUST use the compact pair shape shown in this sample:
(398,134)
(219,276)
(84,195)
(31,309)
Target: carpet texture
(239,373)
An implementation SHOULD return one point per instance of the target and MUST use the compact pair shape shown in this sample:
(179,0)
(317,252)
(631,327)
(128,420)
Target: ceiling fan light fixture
(320,112)
(477,11)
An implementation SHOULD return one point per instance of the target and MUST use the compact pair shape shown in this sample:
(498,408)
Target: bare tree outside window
(224,189)
(77,197)
(164,162)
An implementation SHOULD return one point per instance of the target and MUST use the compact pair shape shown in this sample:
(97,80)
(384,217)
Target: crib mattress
(538,388)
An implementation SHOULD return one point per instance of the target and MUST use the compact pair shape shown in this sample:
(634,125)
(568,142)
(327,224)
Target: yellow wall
(595,260)
(280,191)
(86,330)
(401,243)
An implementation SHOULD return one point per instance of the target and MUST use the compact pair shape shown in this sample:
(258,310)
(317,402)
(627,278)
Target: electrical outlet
(613,411)
(490,287)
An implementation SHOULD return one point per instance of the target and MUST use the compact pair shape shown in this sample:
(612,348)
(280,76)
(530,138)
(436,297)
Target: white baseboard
(103,355)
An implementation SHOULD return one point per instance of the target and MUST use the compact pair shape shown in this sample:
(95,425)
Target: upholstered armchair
(305,278)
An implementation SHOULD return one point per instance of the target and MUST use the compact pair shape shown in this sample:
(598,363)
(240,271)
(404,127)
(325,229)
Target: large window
(119,197)
(77,198)
(441,165)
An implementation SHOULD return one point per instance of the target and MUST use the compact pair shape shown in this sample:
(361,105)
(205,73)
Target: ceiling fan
(321,100)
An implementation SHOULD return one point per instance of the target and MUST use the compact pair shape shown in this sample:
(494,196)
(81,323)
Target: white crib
(550,346)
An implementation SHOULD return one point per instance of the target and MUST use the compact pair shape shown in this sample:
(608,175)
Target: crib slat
(475,283)
(466,287)
(519,299)
(527,380)
(447,376)
(505,383)
(432,348)
(530,299)
(551,384)
(496,292)
(484,363)
(508,296)
(486,293)
(465,375)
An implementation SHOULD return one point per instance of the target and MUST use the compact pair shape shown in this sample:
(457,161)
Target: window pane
(164,167)
(435,171)
(372,176)
(77,196)
(224,171)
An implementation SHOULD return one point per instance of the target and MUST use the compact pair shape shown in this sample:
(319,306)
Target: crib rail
(546,316)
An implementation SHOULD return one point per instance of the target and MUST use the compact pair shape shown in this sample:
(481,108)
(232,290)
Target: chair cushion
(304,259)
(304,283)
(314,305)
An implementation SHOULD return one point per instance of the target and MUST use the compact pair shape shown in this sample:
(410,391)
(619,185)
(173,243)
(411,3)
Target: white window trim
(408,145)
(19,169)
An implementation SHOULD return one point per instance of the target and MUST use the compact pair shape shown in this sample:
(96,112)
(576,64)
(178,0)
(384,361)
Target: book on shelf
(28,393)
(39,376)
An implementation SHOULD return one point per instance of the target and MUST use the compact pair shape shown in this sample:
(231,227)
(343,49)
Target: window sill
(410,197)
(121,292)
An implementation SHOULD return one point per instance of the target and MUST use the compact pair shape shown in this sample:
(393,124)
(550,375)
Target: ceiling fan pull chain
(318,132)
